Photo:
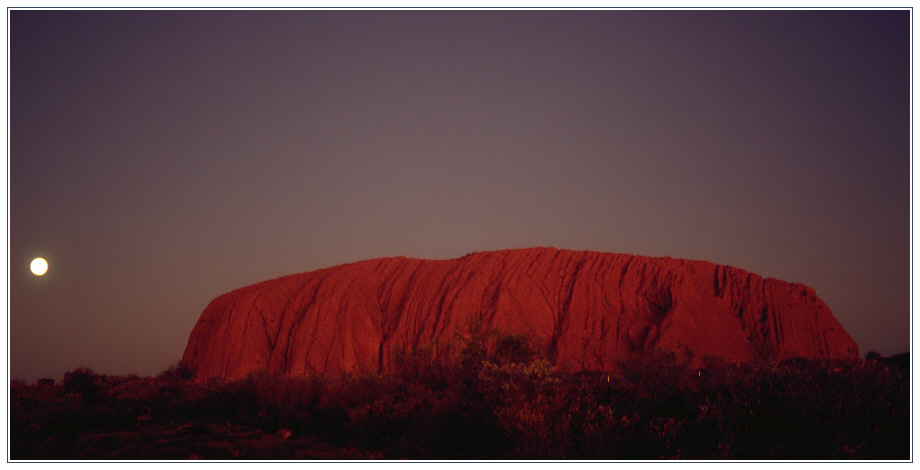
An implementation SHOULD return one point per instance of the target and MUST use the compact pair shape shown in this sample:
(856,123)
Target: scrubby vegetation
(498,402)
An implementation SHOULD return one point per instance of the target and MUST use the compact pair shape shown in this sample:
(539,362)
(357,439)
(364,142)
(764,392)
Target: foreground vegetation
(507,406)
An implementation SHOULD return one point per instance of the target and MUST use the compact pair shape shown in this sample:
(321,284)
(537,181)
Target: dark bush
(507,403)
(178,372)
(84,382)
(511,349)
(658,369)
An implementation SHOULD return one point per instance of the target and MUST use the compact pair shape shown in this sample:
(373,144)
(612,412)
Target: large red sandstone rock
(586,310)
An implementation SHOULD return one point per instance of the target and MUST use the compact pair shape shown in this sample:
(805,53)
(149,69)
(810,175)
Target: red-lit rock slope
(585,310)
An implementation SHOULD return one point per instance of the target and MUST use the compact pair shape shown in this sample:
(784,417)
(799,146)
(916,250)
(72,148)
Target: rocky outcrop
(584,310)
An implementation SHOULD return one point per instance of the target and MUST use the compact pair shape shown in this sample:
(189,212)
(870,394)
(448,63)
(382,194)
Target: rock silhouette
(583,310)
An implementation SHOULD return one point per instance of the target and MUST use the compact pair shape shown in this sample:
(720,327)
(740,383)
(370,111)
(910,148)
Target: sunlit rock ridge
(585,311)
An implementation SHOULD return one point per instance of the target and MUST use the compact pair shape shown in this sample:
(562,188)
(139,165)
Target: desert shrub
(429,365)
(84,382)
(39,420)
(526,405)
(215,401)
(659,368)
(899,361)
(507,409)
(513,349)
(132,389)
(283,402)
(179,372)
(474,343)
(395,421)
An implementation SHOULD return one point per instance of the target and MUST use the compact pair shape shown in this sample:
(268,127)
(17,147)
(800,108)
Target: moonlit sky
(158,159)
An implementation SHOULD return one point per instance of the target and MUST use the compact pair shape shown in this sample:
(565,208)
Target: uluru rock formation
(584,310)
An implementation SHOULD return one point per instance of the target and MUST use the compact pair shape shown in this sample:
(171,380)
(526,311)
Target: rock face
(584,310)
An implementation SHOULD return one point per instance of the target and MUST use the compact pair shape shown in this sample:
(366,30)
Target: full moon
(39,266)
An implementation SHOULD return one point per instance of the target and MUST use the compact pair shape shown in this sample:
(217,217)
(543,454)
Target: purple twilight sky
(158,159)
